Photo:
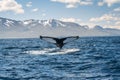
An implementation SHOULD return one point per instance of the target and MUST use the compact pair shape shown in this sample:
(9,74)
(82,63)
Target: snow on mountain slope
(52,27)
(10,25)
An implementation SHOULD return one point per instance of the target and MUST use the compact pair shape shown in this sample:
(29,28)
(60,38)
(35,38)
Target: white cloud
(108,2)
(43,14)
(100,3)
(117,23)
(79,21)
(86,3)
(109,20)
(29,4)
(11,5)
(117,9)
(105,17)
(35,10)
(70,6)
(70,20)
(112,26)
(74,3)
(67,1)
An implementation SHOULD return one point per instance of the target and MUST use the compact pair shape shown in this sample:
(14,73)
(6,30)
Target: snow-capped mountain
(8,24)
(52,27)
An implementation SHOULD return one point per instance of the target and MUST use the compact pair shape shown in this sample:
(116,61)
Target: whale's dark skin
(59,42)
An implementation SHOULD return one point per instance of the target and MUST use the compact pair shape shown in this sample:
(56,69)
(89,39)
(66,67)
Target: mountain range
(34,28)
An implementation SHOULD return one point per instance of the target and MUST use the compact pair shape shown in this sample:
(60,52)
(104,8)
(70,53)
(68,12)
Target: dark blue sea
(88,58)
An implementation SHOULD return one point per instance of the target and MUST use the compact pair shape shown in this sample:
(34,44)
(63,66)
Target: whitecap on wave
(52,51)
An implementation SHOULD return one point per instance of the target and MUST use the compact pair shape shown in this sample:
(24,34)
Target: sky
(105,13)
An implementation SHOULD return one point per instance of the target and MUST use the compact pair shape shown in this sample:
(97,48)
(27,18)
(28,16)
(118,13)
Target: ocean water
(90,58)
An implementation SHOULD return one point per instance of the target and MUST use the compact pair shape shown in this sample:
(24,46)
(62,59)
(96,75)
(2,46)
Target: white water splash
(52,51)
